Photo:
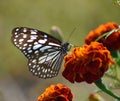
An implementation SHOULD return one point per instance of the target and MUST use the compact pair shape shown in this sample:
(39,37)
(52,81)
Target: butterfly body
(44,52)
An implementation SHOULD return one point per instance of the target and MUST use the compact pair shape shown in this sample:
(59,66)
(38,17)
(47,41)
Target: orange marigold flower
(87,64)
(56,93)
(112,42)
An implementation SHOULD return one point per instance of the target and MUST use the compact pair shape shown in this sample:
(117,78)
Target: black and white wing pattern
(44,52)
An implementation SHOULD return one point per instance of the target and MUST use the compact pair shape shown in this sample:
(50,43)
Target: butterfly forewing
(44,52)
(33,42)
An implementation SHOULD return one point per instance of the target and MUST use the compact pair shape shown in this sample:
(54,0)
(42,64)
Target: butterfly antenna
(74,29)
(71,34)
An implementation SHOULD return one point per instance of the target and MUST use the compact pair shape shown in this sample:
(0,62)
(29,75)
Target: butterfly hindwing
(46,66)
(44,52)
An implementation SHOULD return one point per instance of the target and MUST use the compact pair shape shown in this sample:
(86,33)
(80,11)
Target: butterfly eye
(44,52)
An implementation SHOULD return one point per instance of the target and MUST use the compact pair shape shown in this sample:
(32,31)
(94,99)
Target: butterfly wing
(33,42)
(42,50)
(46,66)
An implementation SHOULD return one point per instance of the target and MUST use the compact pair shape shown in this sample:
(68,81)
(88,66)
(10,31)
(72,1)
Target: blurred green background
(16,82)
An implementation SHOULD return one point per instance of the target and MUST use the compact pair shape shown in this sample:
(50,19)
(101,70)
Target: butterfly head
(65,46)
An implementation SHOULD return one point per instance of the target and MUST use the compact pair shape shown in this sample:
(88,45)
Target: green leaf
(102,86)
(114,53)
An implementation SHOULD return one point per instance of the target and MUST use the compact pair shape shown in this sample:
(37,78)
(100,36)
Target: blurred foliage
(116,2)
(42,15)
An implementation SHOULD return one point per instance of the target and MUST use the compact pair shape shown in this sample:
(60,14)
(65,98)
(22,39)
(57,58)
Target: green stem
(101,85)
(100,37)
(106,35)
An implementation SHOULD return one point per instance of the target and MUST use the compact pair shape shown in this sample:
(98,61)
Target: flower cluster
(112,42)
(87,63)
(56,93)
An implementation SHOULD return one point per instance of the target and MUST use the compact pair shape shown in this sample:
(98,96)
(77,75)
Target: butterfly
(44,52)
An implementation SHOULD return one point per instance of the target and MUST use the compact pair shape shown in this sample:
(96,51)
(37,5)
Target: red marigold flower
(87,64)
(112,42)
(56,93)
